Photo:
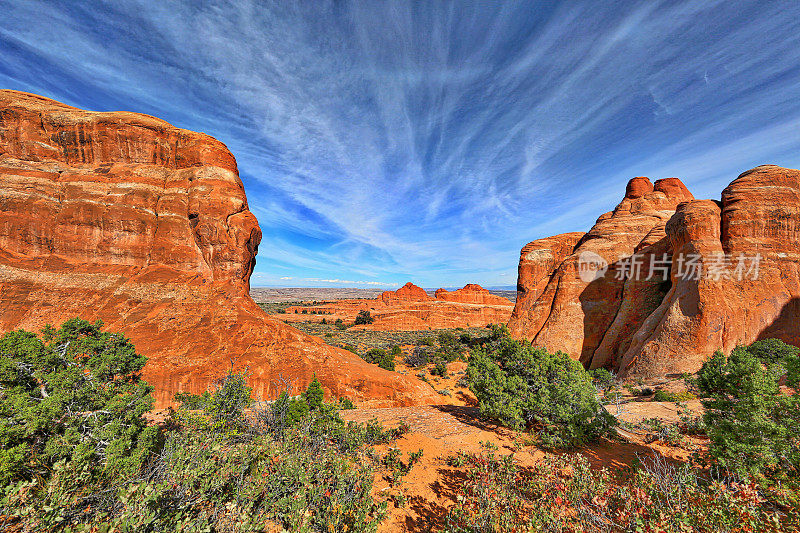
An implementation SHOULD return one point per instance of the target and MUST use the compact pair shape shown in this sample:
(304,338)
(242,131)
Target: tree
(522,386)
(754,428)
(380,357)
(72,396)
(314,394)
(363,318)
(770,351)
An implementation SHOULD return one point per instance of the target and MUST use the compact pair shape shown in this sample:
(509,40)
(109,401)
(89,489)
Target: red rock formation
(125,218)
(408,292)
(472,294)
(647,327)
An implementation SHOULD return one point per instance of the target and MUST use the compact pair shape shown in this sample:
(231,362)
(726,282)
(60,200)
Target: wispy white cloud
(396,140)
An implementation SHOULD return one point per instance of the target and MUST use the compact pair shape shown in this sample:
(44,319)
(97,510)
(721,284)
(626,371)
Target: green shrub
(770,351)
(668,396)
(363,318)
(603,379)
(227,403)
(72,396)
(346,403)
(192,401)
(526,387)
(564,493)
(314,394)
(754,428)
(426,341)
(447,338)
(439,369)
(380,357)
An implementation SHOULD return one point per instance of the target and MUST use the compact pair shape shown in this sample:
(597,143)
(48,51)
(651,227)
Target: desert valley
(644,375)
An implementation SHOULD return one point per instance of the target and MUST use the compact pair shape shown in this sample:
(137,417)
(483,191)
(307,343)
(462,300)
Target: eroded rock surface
(125,218)
(653,315)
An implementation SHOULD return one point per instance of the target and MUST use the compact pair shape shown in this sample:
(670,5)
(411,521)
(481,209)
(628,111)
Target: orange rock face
(472,294)
(711,275)
(125,218)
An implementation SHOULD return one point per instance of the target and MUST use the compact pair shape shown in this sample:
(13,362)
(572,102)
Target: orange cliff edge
(123,217)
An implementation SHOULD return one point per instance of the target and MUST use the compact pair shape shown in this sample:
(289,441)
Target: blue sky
(382,142)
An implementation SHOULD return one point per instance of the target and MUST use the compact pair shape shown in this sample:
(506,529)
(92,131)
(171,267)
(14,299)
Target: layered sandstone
(125,218)
(655,311)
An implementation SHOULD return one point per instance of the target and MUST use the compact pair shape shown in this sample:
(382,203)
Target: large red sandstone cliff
(675,319)
(123,217)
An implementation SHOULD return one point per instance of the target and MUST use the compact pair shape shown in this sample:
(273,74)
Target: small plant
(675,397)
(346,403)
(380,357)
(363,317)
(603,380)
(314,394)
(439,369)
(418,357)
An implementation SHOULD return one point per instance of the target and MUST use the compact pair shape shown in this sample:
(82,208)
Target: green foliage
(346,403)
(770,351)
(72,396)
(603,379)
(227,403)
(379,357)
(523,386)
(426,341)
(395,351)
(364,317)
(439,369)
(754,428)
(314,394)
(192,401)
(668,396)
(289,411)
(447,338)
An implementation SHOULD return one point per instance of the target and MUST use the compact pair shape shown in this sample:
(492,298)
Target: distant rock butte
(123,217)
(408,292)
(667,324)
(410,308)
(472,294)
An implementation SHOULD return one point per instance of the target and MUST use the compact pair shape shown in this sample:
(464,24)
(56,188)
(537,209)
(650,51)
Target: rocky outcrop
(125,218)
(408,292)
(684,278)
(471,294)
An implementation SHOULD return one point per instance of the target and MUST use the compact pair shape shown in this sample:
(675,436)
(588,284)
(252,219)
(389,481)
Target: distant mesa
(410,308)
(408,292)
(472,294)
(125,218)
(747,247)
